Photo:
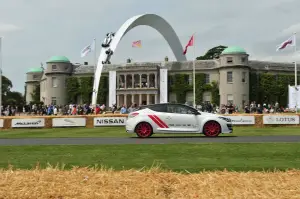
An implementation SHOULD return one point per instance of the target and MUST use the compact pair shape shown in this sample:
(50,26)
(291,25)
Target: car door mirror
(196,113)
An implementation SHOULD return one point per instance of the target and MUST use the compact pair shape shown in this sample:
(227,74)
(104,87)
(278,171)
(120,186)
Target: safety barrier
(91,121)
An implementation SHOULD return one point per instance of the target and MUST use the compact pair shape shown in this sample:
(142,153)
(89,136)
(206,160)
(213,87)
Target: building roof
(273,66)
(233,50)
(35,70)
(59,59)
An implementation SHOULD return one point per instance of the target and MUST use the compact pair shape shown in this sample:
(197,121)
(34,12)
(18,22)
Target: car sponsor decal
(158,121)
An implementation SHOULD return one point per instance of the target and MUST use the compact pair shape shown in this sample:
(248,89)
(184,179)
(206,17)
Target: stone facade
(139,82)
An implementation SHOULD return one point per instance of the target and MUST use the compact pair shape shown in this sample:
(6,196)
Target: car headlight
(225,118)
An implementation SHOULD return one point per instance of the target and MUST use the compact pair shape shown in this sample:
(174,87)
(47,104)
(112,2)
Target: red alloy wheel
(143,130)
(212,129)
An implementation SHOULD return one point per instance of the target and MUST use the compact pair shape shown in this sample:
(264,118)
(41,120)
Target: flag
(191,43)
(137,44)
(86,50)
(289,42)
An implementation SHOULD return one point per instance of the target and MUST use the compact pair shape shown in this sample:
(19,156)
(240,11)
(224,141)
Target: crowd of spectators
(87,109)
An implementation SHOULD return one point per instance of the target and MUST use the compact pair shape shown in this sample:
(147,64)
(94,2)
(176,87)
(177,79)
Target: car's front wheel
(143,130)
(211,129)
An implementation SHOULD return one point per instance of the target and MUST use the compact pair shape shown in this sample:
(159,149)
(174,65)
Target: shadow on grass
(179,137)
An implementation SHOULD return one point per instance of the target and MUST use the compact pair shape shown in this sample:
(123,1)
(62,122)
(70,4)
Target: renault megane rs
(175,118)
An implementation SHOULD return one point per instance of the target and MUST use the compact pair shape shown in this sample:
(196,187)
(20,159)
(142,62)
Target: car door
(181,118)
(158,117)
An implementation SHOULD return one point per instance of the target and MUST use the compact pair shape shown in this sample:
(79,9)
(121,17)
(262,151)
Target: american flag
(137,44)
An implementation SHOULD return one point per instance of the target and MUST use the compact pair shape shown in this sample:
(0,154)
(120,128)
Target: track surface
(154,140)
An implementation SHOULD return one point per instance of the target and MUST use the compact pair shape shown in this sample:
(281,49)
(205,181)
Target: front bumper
(230,128)
(129,128)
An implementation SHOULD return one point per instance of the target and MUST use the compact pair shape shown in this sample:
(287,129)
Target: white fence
(238,120)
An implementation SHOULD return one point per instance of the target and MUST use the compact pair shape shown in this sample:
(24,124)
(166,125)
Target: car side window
(179,109)
(158,108)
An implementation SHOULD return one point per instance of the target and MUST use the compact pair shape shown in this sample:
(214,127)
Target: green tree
(10,97)
(14,98)
(213,53)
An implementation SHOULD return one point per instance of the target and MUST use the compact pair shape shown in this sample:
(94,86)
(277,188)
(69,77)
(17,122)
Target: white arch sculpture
(152,20)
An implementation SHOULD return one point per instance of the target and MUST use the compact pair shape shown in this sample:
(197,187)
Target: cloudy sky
(34,30)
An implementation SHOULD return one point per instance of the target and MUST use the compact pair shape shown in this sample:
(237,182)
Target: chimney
(86,63)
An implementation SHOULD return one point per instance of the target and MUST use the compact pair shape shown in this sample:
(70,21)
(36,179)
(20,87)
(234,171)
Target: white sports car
(175,118)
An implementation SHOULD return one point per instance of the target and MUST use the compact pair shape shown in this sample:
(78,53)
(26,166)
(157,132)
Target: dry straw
(88,183)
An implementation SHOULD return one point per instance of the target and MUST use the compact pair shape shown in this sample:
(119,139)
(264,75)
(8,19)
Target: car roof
(143,106)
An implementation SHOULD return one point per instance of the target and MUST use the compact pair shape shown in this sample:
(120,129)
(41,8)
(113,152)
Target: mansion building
(140,82)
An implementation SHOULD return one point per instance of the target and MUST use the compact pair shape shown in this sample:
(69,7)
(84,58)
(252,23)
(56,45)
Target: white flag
(289,42)
(86,50)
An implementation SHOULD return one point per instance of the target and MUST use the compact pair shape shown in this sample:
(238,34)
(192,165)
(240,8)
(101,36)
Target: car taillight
(132,115)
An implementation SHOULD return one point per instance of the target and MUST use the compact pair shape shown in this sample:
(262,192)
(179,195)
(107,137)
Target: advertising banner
(281,119)
(28,123)
(110,121)
(68,122)
(242,120)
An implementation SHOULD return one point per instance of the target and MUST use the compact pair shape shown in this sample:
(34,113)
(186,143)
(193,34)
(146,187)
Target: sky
(35,30)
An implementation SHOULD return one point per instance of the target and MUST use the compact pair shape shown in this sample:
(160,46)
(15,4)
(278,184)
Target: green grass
(120,132)
(177,157)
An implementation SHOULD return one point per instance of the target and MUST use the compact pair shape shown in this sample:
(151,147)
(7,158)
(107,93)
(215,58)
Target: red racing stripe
(161,122)
(155,120)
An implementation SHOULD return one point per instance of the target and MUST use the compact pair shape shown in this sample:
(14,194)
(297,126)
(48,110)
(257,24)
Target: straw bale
(155,184)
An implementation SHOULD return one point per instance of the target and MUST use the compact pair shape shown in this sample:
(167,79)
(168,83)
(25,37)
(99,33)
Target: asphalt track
(152,140)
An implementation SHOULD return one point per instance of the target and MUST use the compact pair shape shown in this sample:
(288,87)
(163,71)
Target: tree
(10,97)
(213,53)
(14,98)
(6,85)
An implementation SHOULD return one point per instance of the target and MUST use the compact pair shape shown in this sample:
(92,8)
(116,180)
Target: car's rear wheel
(211,129)
(144,130)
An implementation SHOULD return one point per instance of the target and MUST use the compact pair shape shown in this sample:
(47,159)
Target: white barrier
(281,119)
(110,121)
(28,123)
(1,123)
(242,120)
(68,122)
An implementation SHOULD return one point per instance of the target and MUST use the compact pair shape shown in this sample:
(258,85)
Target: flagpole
(296,73)
(95,57)
(194,73)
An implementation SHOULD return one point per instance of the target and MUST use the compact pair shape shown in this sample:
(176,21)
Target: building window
(229,60)
(66,67)
(207,81)
(53,101)
(244,100)
(230,99)
(54,82)
(243,76)
(35,76)
(229,77)
(243,59)
(206,97)
(190,79)
(54,67)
